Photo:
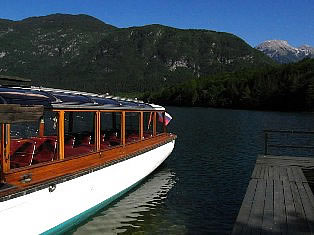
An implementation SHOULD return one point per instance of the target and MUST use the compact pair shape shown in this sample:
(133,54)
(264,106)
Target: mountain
(282,52)
(82,52)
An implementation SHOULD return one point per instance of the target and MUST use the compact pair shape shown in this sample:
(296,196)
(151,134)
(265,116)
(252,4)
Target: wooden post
(123,128)
(141,125)
(97,131)
(41,127)
(265,143)
(61,135)
(154,124)
(5,147)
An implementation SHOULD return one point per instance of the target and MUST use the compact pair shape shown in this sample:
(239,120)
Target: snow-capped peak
(283,52)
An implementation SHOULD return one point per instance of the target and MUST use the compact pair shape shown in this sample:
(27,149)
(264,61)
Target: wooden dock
(278,199)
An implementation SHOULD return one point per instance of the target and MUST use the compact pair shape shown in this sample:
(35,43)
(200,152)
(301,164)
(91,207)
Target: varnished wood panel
(12,113)
(154,124)
(97,130)
(141,124)
(46,171)
(123,128)
(5,147)
(61,135)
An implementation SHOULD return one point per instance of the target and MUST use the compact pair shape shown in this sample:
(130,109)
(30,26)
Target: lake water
(200,188)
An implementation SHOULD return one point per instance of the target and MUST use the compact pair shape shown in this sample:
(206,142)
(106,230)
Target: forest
(288,87)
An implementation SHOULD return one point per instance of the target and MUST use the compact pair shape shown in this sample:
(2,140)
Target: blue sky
(252,20)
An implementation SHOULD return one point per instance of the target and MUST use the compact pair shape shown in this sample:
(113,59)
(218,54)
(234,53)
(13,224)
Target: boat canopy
(52,98)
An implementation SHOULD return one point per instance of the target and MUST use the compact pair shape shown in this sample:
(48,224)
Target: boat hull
(56,209)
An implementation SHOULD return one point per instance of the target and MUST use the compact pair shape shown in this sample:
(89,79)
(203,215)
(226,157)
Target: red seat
(71,150)
(114,140)
(132,137)
(86,140)
(23,155)
(15,144)
(104,144)
(46,151)
(147,135)
(54,138)
(69,141)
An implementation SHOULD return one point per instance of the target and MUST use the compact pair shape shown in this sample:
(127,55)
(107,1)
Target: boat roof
(52,98)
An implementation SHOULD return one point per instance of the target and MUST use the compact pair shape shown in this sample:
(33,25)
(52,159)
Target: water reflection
(134,210)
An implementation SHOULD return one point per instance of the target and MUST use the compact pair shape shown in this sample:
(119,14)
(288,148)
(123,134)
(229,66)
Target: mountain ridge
(82,52)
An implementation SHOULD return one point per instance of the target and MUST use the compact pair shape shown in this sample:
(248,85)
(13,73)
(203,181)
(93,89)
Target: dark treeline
(285,87)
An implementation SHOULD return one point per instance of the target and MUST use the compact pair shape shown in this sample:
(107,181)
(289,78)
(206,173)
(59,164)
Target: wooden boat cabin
(50,135)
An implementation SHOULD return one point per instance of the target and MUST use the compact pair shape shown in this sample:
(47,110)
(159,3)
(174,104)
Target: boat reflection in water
(129,212)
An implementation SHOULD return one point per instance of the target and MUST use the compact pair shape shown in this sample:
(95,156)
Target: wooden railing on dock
(297,140)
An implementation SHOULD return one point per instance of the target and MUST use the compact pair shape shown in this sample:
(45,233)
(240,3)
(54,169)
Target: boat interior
(31,143)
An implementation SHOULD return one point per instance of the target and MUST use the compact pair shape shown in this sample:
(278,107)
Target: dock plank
(279,199)
(309,194)
(270,172)
(276,173)
(268,215)
(256,217)
(262,174)
(290,174)
(256,172)
(280,217)
(308,208)
(290,209)
(300,219)
(245,210)
(283,173)
(301,174)
(303,162)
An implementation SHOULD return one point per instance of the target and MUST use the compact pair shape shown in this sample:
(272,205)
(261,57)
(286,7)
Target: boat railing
(286,142)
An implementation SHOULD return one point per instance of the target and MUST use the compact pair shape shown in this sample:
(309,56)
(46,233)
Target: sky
(252,20)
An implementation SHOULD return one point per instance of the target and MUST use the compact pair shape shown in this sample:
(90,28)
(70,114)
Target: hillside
(82,52)
(288,87)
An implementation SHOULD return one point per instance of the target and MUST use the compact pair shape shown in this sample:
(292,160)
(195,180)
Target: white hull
(42,211)
(117,218)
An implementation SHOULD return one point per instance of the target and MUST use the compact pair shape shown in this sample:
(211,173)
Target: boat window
(79,133)
(132,127)
(148,125)
(110,134)
(22,144)
(33,142)
(160,123)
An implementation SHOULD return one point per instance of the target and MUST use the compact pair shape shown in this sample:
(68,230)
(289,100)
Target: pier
(278,199)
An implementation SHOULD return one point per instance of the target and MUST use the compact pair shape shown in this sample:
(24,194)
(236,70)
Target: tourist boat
(66,154)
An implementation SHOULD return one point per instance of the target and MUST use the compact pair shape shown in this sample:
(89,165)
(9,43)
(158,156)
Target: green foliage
(284,87)
(81,52)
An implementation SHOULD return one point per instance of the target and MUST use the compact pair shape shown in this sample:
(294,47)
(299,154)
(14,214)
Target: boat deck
(279,199)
